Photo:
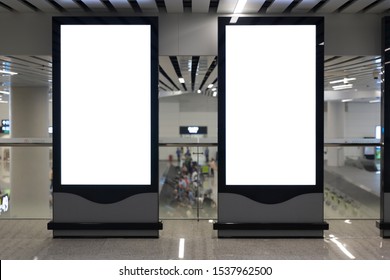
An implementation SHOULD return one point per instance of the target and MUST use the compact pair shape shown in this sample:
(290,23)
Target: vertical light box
(105,104)
(270,96)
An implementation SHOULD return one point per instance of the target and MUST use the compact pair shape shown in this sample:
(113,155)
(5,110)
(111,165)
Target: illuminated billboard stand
(271,101)
(117,196)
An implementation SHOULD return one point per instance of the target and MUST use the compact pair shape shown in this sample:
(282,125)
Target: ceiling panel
(166,64)
(226,6)
(95,5)
(44,6)
(200,6)
(278,6)
(69,5)
(18,6)
(331,6)
(357,6)
(380,8)
(121,4)
(253,6)
(148,6)
(174,6)
(305,6)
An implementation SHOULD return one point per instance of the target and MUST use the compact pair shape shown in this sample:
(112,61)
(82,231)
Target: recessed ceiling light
(199,91)
(345,80)
(210,86)
(181,80)
(8,72)
(342,87)
(4,92)
(346,100)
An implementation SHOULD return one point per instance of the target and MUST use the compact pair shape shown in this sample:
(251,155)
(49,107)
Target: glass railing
(188,181)
(352,181)
(188,187)
(25,178)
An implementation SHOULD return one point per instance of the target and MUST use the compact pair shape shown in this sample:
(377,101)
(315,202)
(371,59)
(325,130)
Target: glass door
(188,181)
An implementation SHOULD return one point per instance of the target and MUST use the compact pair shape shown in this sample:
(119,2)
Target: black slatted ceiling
(57,6)
(213,6)
(167,77)
(109,6)
(265,6)
(345,61)
(187,6)
(165,85)
(5,6)
(31,6)
(347,4)
(209,71)
(161,6)
(194,68)
(135,6)
(176,66)
(372,5)
(83,6)
(318,6)
(292,5)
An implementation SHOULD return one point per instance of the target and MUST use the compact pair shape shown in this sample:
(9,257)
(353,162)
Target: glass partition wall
(188,155)
(352,137)
(188,137)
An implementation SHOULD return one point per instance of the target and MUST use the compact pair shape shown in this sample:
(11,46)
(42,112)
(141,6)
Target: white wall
(187,110)
(360,121)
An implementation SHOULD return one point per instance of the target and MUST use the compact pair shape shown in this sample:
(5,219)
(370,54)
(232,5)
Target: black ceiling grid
(109,6)
(165,85)
(354,67)
(187,6)
(167,77)
(331,59)
(209,71)
(83,6)
(31,6)
(318,6)
(372,5)
(346,66)
(347,4)
(265,6)
(161,6)
(5,6)
(57,6)
(175,64)
(135,6)
(292,5)
(347,60)
(194,69)
(213,7)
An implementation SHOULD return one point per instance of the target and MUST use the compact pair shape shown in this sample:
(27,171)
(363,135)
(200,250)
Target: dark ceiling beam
(31,6)
(56,5)
(318,6)
(194,69)
(176,66)
(109,6)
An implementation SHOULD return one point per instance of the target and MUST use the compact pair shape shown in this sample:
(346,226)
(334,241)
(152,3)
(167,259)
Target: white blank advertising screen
(271,105)
(105,104)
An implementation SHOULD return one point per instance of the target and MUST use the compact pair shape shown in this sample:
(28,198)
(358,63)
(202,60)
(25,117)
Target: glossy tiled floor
(356,239)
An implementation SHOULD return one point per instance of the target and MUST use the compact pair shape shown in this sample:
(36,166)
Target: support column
(335,128)
(29,197)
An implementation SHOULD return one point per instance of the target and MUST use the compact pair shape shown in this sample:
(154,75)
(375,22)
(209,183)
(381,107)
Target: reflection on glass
(28,198)
(188,182)
(352,184)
